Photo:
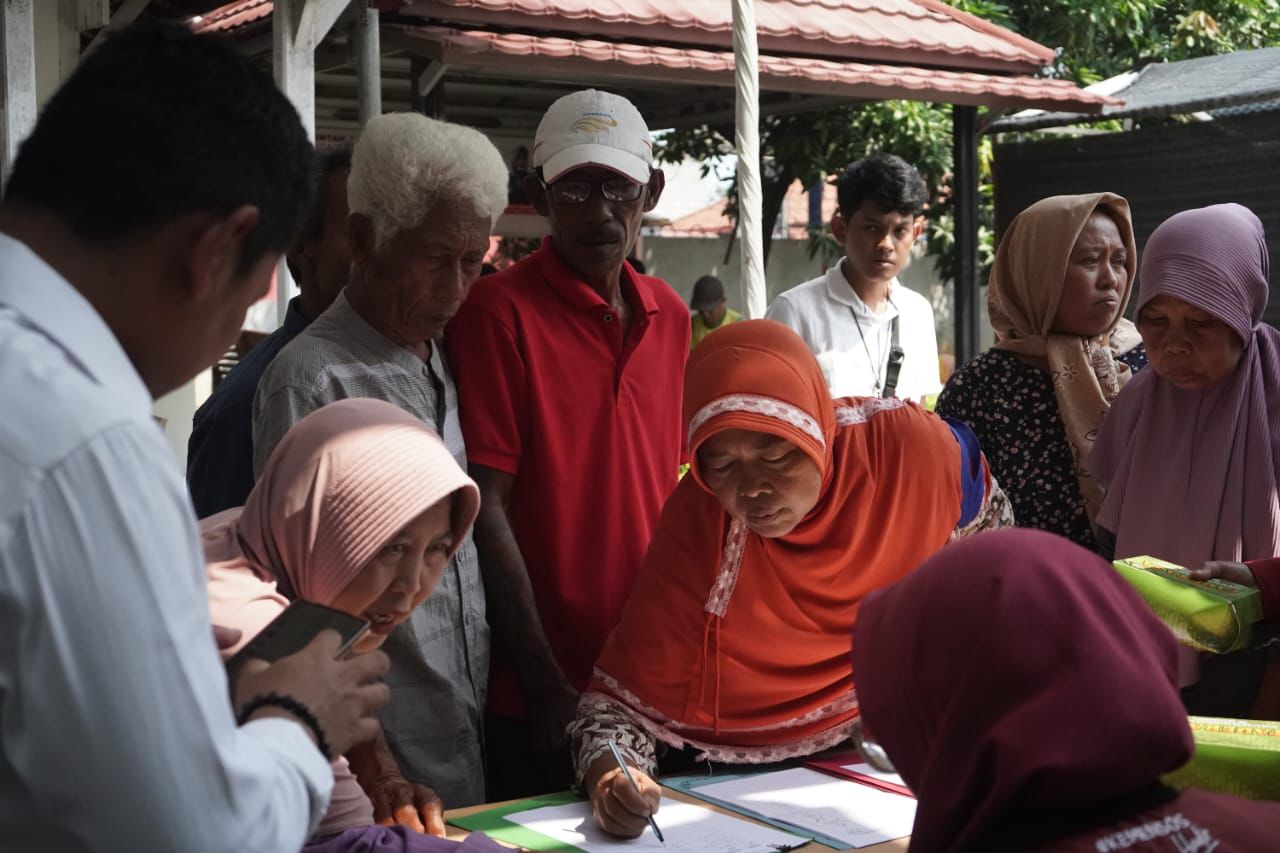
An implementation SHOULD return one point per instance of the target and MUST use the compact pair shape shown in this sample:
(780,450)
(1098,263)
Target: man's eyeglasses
(576,192)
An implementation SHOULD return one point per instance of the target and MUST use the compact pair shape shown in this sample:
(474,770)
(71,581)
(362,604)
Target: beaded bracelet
(294,707)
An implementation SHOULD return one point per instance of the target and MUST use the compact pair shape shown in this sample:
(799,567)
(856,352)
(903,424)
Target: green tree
(808,147)
(1095,39)
(1103,38)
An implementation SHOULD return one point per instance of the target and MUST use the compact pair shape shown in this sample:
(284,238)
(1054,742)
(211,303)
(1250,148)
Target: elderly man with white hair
(424,196)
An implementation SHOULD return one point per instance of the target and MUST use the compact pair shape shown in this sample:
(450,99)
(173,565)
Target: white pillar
(297,28)
(91,14)
(18,46)
(293,59)
(68,39)
(746,78)
(368,50)
(124,16)
(177,408)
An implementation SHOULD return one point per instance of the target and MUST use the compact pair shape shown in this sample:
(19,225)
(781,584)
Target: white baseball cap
(593,128)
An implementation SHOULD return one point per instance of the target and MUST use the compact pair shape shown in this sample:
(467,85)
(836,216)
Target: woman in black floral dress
(1056,297)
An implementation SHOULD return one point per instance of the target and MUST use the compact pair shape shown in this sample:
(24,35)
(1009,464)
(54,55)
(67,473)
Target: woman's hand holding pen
(620,808)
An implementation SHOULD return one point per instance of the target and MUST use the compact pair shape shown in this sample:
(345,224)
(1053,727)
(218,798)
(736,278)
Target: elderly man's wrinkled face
(593,236)
(1187,345)
(420,278)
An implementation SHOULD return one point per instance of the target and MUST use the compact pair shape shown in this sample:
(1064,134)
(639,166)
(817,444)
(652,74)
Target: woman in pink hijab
(359,508)
(1028,697)
(1190,453)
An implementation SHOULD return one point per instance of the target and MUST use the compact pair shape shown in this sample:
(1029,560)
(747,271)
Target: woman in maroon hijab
(1028,696)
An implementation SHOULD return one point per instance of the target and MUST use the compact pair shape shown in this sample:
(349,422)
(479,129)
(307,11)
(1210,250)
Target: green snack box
(1213,616)
(1238,757)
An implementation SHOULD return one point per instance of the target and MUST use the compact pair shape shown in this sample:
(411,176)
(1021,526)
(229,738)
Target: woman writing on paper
(1039,708)
(734,641)
(1190,451)
(1063,350)
(359,508)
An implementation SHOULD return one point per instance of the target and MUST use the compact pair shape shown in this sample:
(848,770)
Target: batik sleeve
(602,718)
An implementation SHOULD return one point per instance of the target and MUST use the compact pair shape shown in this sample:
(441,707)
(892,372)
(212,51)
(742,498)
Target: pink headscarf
(1195,475)
(1016,674)
(338,486)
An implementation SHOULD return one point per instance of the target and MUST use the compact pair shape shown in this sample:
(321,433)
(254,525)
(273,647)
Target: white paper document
(857,814)
(871,772)
(688,828)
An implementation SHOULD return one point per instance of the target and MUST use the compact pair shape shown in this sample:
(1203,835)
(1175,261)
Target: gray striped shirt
(440,657)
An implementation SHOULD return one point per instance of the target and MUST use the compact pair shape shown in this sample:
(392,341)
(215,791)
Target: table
(812,847)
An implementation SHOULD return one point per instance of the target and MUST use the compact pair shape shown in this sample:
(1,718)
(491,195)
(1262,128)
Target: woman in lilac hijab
(1190,453)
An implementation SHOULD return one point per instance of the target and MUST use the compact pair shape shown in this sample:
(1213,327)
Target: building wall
(682,260)
(177,408)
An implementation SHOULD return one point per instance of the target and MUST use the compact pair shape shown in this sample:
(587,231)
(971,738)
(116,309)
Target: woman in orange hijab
(735,640)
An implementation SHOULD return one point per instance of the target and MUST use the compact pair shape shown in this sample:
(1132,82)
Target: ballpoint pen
(617,756)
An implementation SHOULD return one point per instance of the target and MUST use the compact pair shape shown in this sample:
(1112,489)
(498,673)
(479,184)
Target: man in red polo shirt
(570,369)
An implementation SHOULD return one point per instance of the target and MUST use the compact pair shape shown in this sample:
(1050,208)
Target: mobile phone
(293,629)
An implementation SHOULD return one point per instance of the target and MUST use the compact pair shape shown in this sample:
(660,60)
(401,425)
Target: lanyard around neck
(889,365)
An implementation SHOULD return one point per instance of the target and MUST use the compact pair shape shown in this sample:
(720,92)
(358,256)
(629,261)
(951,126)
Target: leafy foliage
(814,146)
(1095,39)
(1103,38)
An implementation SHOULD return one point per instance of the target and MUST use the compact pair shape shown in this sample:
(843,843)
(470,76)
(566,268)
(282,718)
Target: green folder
(493,823)
(1213,616)
(1239,757)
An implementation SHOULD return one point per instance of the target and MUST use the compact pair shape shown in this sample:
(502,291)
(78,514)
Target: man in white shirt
(144,214)
(866,329)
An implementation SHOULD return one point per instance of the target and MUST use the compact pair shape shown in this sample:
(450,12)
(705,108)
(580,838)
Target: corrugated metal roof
(233,15)
(1177,88)
(898,46)
(926,33)
(548,54)
(917,32)
(1246,110)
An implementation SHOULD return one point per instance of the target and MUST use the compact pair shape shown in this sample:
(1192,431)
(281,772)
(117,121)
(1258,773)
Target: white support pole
(430,76)
(368,50)
(294,60)
(18,46)
(68,37)
(92,14)
(124,16)
(297,28)
(296,76)
(319,16)
(746,78)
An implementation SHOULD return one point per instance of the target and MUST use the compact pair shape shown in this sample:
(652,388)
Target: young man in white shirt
(872,336)
(144,214)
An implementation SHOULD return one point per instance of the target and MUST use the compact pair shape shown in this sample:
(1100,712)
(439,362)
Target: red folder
(851,765)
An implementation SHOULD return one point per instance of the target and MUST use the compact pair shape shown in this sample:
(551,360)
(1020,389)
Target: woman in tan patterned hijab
(1062,277)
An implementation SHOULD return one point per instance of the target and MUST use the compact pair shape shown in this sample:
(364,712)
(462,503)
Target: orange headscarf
(737,644)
